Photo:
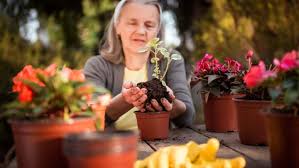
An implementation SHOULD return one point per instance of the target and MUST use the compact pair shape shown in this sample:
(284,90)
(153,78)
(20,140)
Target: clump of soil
(155,90)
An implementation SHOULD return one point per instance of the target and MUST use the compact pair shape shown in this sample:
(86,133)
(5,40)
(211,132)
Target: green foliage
(51,92)
(155,46)
(232,27)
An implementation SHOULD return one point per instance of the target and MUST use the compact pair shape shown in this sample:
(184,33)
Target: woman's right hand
(134,95)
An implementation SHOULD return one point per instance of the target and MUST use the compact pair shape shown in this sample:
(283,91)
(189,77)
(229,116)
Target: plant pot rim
(101,136)
(239,99)
(152,113)
(280,115)
(48,121)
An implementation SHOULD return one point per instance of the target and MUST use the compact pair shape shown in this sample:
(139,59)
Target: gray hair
(111,49)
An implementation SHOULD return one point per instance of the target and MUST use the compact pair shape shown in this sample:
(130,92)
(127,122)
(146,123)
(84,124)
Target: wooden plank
(184,135)
(260,154)
(143,150)
(13,164)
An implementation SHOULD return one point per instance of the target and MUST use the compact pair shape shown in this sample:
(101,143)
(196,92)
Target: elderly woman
(121,65)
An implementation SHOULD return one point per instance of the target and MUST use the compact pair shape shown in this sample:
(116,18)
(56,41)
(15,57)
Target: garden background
(69,32)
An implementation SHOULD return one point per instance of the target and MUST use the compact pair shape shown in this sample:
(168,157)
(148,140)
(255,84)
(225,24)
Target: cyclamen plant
(257,93)
(282,82)
(217,78)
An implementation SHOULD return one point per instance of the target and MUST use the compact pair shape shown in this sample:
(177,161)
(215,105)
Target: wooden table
(256,156)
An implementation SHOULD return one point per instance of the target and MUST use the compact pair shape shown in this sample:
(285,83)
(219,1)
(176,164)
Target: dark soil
(155,90)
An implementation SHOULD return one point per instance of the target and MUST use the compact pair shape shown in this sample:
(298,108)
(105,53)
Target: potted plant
(117,149)
(154,125)
(219,83)
(282,121)
(51,103)
(250,105)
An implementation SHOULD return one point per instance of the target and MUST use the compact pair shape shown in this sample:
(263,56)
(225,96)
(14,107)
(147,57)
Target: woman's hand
(134,95)
(154,106)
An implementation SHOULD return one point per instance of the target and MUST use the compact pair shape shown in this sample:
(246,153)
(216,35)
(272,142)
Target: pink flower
(289,61)
(233,65)
(249,54)
(208,57)
(51,69)
(257,74)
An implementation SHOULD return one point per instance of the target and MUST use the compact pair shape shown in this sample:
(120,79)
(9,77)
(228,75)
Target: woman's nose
(141,30)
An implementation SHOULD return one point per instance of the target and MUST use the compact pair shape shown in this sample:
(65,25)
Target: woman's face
(138,23)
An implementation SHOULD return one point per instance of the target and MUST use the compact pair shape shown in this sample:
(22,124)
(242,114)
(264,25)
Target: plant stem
(66,114)
(166,69)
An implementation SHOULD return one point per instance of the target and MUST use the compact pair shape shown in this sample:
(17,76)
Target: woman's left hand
(154,106)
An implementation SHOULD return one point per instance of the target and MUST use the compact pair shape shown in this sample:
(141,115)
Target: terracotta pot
(101,149)
(39,143)
(153,125)
(220,114)
(99,111)
(251,122)
(283,135)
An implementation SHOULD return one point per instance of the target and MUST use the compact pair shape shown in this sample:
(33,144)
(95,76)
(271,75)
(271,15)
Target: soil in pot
(155,90)
(154,125)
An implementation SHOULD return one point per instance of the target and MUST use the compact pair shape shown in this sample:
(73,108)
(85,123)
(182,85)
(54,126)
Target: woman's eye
(131,23)
(150,25)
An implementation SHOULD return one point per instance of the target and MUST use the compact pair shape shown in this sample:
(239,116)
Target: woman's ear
(117,30)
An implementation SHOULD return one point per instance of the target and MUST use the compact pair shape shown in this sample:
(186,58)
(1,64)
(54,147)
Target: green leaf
(159,43)
(215,91)
(153,43)
(144,49)
(154,60)
(164,52)
(155,75)
(163,83)
(101,90)
(235,90)
(291,96)
(176,57)
(288,83)
(211,78)
(34,86)
(230,75)
(274,93)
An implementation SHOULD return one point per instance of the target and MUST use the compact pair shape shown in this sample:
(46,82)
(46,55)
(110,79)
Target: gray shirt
(106,74)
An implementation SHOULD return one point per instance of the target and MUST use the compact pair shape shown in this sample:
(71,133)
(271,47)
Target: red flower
(25,95)
(77,75)
(74,75)
(257,74)
(25,92)
(289,61)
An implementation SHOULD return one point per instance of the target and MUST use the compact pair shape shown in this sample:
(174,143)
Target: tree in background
(68,33)
(230,28)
